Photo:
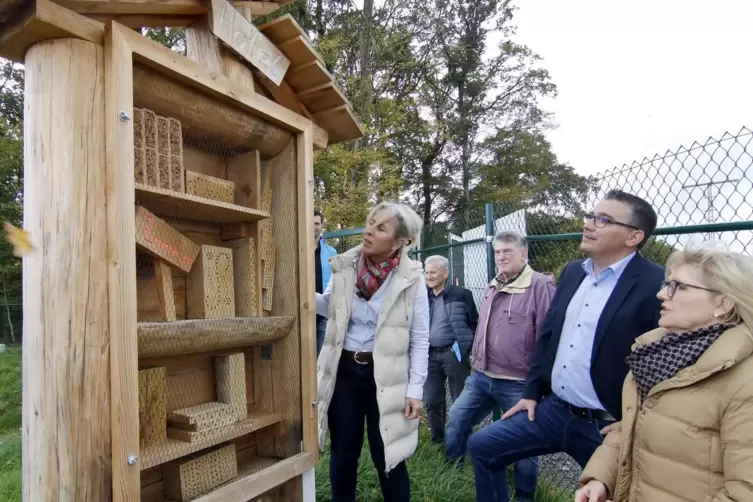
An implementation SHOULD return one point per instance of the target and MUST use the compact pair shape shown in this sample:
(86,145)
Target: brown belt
(358,357)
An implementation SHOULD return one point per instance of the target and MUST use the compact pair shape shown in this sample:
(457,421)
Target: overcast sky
(637,78)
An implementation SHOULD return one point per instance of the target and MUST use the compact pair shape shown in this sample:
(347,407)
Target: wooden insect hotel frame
(169,341)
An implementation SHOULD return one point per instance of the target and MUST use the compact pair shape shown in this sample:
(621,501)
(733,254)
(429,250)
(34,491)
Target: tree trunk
(366,91)
(319,18)
(7,313)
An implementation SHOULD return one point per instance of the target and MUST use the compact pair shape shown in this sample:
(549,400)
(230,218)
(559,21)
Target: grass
(10,425)
(432,479)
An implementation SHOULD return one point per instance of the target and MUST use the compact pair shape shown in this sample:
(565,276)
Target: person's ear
(636,237)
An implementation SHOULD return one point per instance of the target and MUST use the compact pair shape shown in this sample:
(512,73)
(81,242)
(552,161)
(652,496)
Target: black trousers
(353,402)
(443,366)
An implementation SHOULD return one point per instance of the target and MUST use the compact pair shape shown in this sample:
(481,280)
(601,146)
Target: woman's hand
(412,408)
(594,491)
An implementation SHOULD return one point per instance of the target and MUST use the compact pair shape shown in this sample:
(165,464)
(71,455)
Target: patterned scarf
(371,276)
(658,361)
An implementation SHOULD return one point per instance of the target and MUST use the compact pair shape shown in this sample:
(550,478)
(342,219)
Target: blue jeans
(321,329)
(480,395)
(555,429)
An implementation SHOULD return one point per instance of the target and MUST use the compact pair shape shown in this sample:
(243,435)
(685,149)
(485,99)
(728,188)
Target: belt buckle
(355,358)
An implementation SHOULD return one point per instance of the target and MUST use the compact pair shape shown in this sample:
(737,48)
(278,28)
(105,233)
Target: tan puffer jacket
(692,438)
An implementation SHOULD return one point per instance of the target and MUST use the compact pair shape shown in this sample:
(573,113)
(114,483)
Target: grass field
(10,425)
(432,480)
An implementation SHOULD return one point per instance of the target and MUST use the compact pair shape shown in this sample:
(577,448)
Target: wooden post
(66,384)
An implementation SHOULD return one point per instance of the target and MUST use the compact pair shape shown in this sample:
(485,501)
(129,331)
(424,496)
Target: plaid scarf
(658,361)
(371,276)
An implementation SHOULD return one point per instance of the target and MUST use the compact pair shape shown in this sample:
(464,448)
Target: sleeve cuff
(415,391)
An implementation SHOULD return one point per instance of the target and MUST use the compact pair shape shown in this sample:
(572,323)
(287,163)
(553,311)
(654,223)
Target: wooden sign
(244,38)
(157,238)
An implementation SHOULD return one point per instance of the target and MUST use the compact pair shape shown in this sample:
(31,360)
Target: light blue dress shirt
(361,331)
(571,376)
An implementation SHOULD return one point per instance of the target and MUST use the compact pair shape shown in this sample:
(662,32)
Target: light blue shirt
(364,317)
(571,375)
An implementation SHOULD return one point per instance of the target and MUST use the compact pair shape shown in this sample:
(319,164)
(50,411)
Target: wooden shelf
(160,339)
(166,203)
(172,448)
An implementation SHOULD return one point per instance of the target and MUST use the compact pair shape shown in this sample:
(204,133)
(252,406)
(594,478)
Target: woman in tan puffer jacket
(687,423)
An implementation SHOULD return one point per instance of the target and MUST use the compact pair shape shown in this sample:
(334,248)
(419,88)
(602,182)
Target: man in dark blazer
(574,386)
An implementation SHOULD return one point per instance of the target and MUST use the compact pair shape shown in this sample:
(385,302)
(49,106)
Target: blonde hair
(726,272)
(409,223)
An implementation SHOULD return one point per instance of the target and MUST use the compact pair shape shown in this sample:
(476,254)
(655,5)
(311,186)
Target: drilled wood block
(210,285)
(138,128)
(152,166)
(165,172)
(186,479)
(230,376)
(210,187)
(203,416)
(165,293)
(198,436)
(269,278)
(157,238)
(139,165)
(176,138)
(152,406)
(150,129)
(176,174)
(163,135)
(245,270)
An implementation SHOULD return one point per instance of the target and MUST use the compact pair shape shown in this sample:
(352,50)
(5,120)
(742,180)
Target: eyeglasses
(672,286)
(601,221)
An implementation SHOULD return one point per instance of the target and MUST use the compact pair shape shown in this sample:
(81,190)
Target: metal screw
(124,117)
(314,403)
(311,181)
(132,459)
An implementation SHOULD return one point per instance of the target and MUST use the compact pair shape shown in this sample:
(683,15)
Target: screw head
(124,117)
(132,459)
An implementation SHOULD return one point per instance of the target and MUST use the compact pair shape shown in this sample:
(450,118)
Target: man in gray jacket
(512,314)
(453,319)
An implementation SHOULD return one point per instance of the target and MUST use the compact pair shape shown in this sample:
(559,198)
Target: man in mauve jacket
(512,314)
(453,319)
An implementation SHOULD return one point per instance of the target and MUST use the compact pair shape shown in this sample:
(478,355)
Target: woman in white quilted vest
(374,361)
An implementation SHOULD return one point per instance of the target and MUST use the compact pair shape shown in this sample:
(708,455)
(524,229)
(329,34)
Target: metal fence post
(490,267)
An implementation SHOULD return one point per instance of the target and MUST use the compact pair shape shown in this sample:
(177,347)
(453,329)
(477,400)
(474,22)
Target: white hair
(409,223)
(511,237)
(443,262)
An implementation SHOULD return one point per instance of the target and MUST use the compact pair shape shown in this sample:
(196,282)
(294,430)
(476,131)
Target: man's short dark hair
(319,214)
(642,215)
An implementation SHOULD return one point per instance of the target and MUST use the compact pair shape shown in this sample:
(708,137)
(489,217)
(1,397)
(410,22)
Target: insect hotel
(169,346)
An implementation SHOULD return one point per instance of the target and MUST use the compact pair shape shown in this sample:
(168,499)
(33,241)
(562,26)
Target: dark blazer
(463,315)
(632,310)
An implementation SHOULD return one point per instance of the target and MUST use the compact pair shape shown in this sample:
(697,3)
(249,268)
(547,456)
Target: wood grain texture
(245,276)
(66,434)
(121,231)
(230,375)
(158,339)
(245,171)
(165,293)
(152,406)
(158,239)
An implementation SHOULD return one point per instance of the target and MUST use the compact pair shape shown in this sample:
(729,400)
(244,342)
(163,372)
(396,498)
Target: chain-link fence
(699,193)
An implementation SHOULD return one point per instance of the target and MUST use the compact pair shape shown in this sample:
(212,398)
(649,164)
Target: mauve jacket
(513,332)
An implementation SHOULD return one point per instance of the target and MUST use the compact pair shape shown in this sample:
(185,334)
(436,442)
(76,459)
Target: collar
(517,284)
(616,268)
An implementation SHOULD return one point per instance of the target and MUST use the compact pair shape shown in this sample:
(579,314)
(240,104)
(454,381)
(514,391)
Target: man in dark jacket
(574,386)
(453,318)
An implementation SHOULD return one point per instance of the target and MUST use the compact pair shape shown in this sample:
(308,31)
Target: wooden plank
(153,12)
(198,436)
(246,40)
(203,416)
(194,75)
(210,187)
(201,161)
(152,406)
(245,171)
(194,476)
(206,120)
(268,273)
(122,268)
(154,492)
(158,339)
(323,97)
(66,340)
(165,293)
(158,239)
(174,448)
(231,382)
(259,482)
(148,303)
(307,75)
(245,276)
(306,289)
(341,124)
(145,20)
(168,203)
(210,285)
(42,20)
(190,389)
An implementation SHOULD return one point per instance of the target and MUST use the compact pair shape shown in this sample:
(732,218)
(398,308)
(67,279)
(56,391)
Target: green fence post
(490,266)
